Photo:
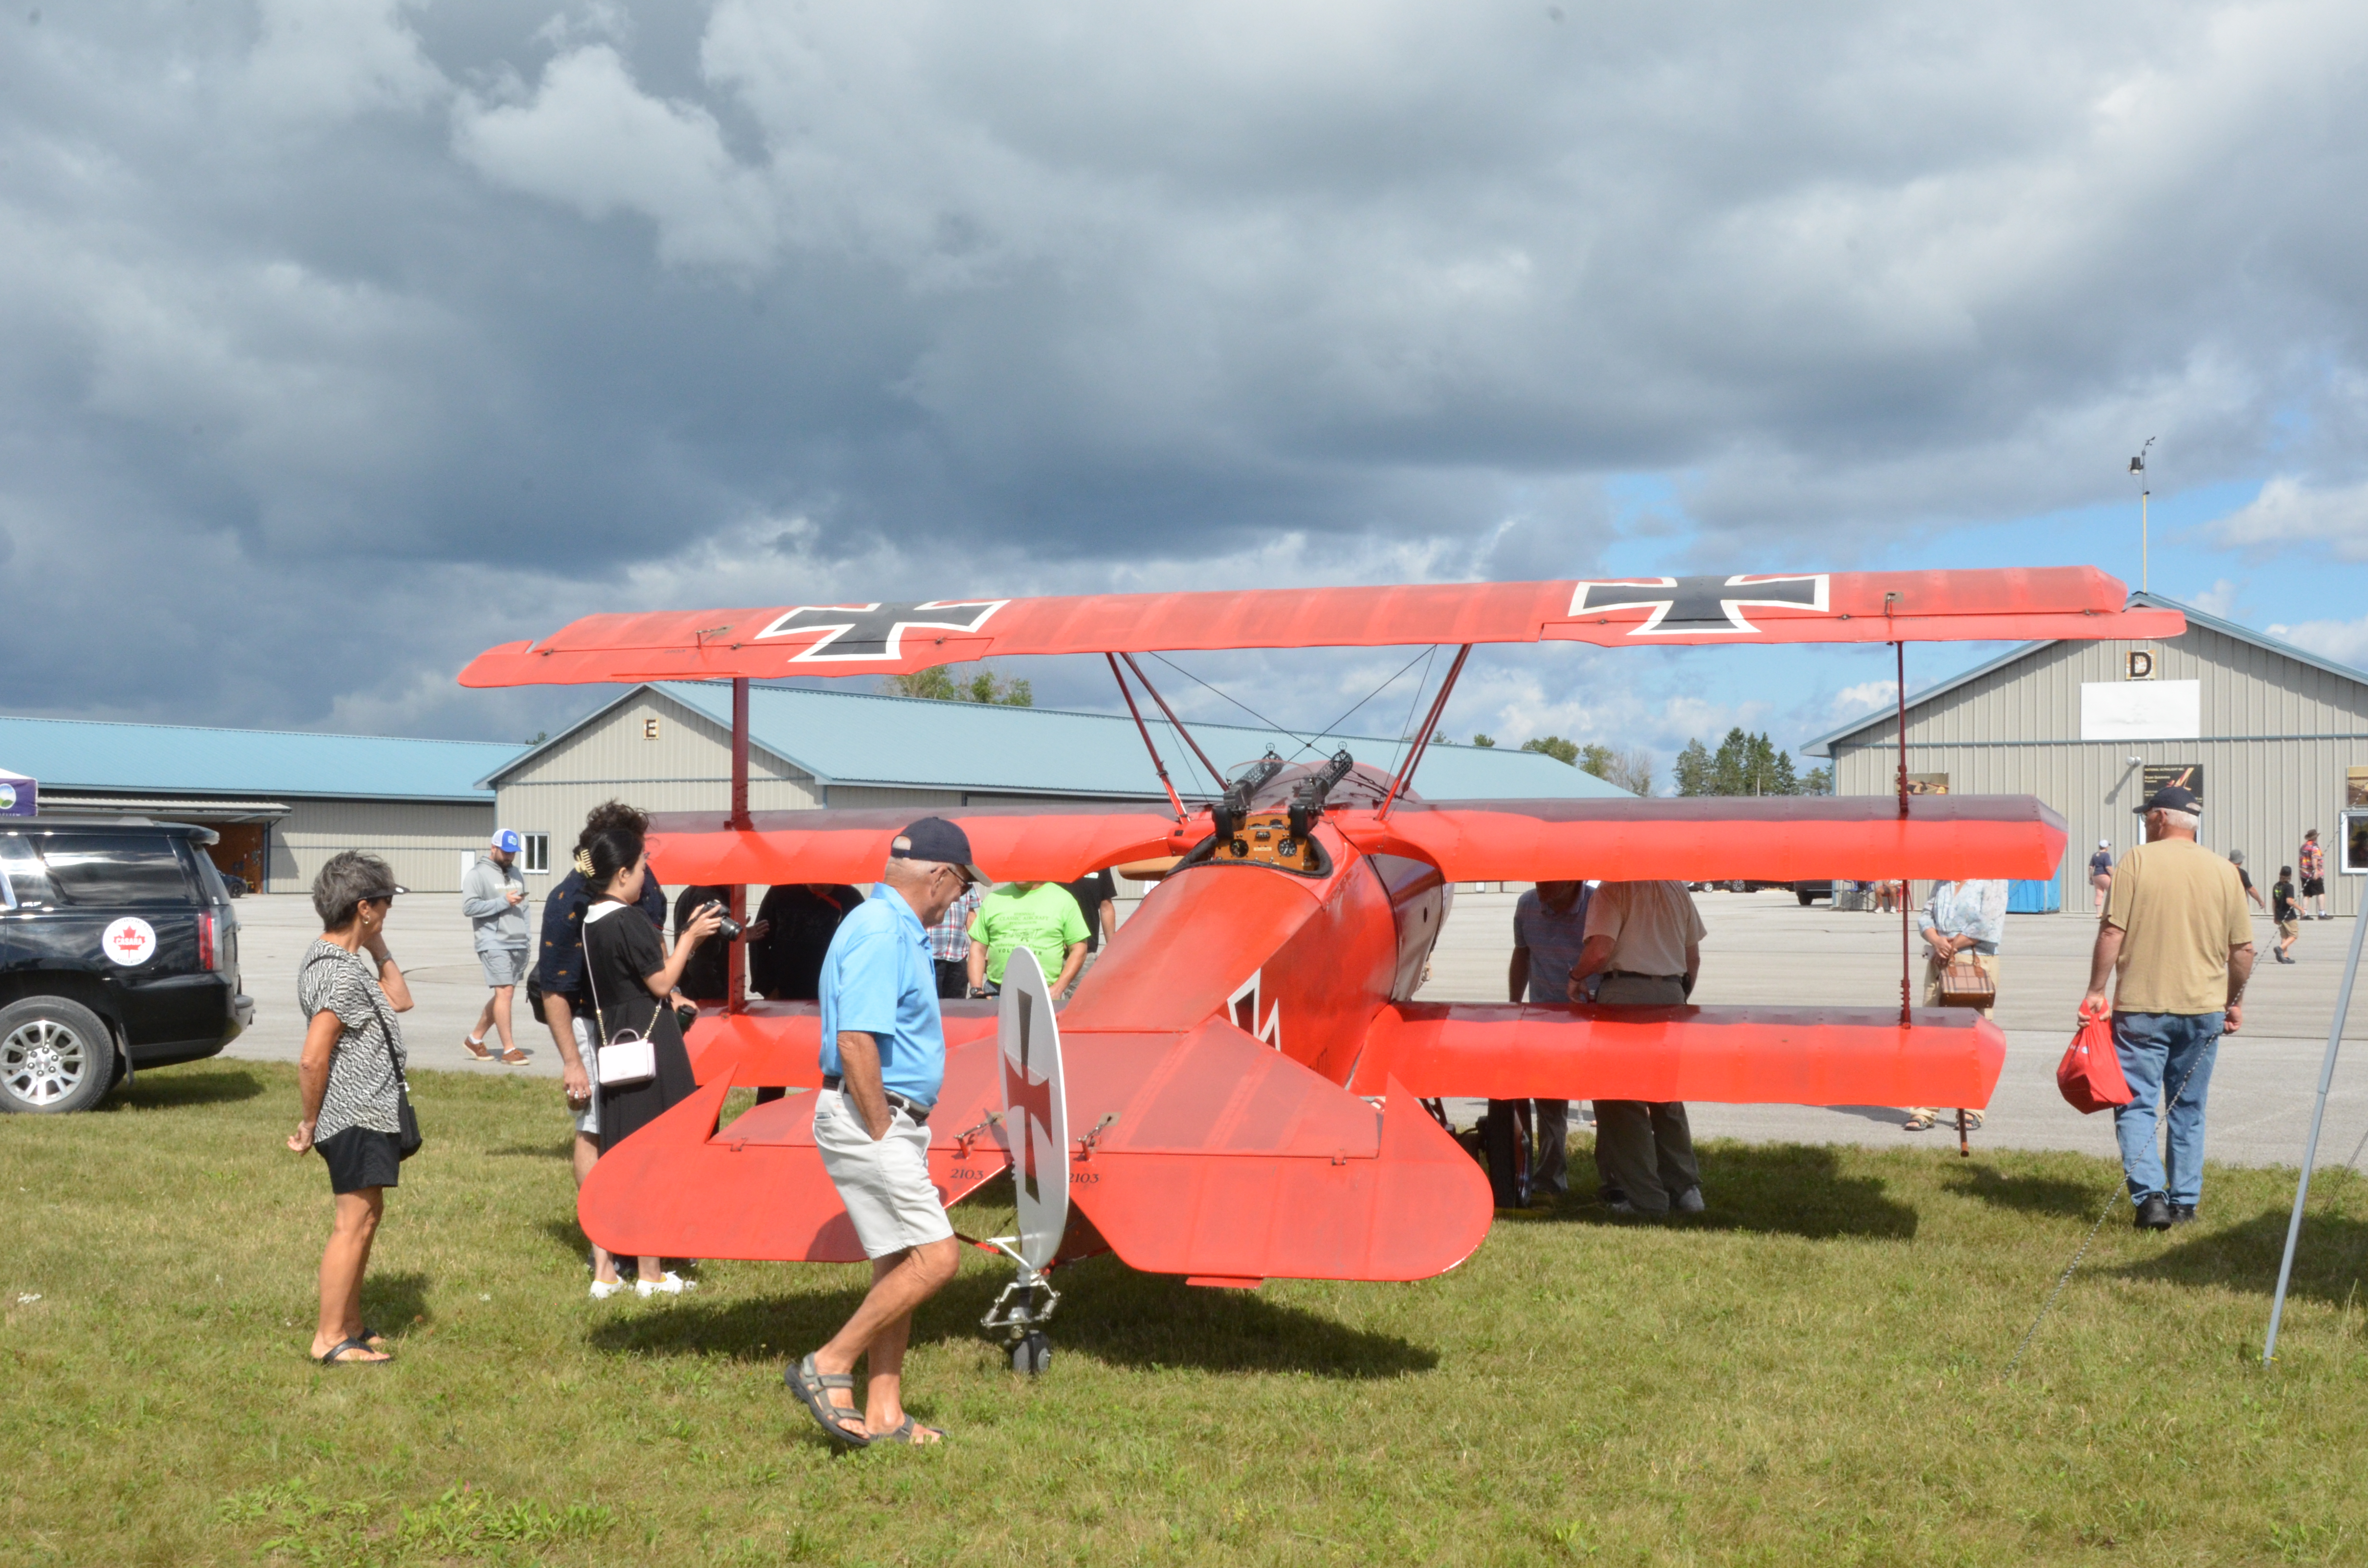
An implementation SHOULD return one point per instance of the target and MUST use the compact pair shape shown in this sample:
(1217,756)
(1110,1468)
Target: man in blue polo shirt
(883,1059)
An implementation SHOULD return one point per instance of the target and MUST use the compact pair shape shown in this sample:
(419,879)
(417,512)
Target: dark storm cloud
(343,339)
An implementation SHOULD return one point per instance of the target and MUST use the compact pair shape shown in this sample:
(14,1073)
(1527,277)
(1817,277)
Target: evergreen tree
(1695,773)
(1555,747)
(1483,741)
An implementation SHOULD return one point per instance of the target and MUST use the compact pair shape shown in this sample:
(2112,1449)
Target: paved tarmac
(1762,947)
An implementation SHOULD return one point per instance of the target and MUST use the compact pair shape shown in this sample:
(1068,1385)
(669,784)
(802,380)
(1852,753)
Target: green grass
(1810,1373)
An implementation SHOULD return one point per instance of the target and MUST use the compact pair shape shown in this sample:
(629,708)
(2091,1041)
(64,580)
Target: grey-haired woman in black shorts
(352,1081)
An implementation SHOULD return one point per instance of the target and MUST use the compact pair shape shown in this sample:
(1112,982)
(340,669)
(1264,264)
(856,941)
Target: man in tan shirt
(1645,938)
(2176,936)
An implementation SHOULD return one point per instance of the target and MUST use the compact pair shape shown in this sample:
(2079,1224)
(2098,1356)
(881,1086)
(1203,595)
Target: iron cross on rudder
(875,630)
(1712,603)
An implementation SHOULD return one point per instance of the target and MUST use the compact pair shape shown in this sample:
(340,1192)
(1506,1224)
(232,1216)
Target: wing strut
(735,954)
(1422,738)
(1156,765)
(1899,689)
(1216,777)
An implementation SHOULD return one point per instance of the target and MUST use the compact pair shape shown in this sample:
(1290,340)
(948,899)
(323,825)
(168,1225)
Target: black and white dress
(365,1093)
(621,949)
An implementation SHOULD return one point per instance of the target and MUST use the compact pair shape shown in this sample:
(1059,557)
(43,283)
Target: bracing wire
(1335,725)
(1236,701)
(1421,681)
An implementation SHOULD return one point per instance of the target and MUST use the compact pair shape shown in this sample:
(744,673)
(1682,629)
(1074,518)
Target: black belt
(1632,974)
(912,1108)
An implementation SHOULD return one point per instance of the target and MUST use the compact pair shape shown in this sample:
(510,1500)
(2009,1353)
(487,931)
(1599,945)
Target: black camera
(731,930)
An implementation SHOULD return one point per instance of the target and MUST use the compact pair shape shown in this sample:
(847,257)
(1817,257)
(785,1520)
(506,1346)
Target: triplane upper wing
(884,638)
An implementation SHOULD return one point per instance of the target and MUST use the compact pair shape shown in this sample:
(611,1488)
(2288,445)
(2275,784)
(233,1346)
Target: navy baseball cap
(507,841)
(935,838)
(2170,798)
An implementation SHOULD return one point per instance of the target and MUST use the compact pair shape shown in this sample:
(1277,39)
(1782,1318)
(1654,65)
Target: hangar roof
(856,738)
(1888,718)
(182,761)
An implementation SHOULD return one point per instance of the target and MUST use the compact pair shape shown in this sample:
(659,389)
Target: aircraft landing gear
(1507,1137)
(1019,1314)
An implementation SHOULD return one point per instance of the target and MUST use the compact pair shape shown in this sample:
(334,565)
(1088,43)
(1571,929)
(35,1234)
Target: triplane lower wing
(1237,1090)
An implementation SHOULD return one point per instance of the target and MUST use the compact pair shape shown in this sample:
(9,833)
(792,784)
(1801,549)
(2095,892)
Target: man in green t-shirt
(1037,915)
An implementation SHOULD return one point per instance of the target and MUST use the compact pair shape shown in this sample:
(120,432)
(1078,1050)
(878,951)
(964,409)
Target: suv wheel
(55,1055)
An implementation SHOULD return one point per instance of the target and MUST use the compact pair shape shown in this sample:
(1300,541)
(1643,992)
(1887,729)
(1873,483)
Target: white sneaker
(669,1284)
(1689,1202)
(604,1288)
(1620,1206)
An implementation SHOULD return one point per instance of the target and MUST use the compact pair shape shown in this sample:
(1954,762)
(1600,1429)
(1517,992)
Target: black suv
(118,950)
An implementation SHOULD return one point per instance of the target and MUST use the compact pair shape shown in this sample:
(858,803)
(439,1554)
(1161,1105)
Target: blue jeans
(2153,1047)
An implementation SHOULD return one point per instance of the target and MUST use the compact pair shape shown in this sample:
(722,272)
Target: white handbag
(627,1058)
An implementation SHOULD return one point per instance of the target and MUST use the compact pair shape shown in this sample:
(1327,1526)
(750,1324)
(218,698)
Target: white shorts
(588,1120)
(884,1184)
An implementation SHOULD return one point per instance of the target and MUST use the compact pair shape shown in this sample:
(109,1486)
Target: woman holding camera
(630,978)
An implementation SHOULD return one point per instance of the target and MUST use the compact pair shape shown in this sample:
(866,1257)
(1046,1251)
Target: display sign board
(18,795)
(2355,788)
(2141,709)
(1035,1107)
(1928,783)
(2163,774)
(2351,854)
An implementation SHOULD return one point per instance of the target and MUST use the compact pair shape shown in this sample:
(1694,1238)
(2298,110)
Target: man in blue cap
(2177,944)
(883,1060)
(493,895)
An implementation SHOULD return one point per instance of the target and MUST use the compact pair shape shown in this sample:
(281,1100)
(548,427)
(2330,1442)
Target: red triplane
(1245,1061)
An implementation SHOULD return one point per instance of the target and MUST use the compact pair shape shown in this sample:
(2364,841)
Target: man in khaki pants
(1960,918)
(1645,938)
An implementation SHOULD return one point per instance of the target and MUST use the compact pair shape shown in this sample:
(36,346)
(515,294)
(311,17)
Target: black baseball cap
(2170,798)
(935,838)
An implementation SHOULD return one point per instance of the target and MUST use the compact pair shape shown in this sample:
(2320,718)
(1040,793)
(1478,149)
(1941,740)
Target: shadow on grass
(169,1088)
(2028,1194)
(394,1304)
(1796,1189)
(562,1148)
(2330,1261)
(1106,1312)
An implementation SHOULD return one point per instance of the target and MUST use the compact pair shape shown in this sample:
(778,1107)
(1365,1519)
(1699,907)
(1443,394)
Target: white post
(2310,1149)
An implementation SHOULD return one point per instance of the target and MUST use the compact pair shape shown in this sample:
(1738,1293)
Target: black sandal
(335,1356)
(813,1387)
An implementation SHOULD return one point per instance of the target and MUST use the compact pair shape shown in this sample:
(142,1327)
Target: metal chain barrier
(2102,1215)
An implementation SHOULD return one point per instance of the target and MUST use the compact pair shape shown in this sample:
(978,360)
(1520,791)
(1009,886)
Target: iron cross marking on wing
(1696,605)
(875,630)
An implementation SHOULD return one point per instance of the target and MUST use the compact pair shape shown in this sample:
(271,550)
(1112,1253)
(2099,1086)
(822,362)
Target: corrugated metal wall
(652,753)
(422,840)
(2279,735)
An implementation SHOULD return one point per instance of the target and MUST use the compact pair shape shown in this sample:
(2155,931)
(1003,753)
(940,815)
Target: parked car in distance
(1809,893)
(119,950)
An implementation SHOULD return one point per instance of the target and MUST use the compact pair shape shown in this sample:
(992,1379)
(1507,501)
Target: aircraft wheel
(1032,1355)
(1504,1136)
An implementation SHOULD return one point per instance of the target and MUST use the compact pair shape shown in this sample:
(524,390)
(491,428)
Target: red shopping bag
(2090,1074)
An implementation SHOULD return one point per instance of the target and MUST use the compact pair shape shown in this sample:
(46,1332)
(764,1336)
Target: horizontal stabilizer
(1945,1056)
(778,1045)
(1776,838)
(1221,1156)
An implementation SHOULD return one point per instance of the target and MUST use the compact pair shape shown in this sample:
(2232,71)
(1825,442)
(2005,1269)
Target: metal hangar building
(2272,737)
(283,802)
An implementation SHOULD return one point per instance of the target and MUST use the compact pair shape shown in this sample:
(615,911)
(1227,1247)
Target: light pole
(2139,468)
